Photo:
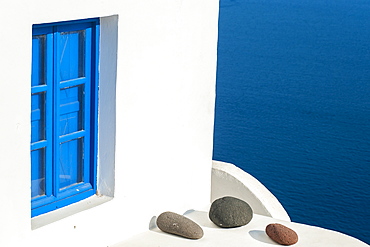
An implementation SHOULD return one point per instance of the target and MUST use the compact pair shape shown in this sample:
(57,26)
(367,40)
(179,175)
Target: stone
(281,234)
(179,225)
(228,212)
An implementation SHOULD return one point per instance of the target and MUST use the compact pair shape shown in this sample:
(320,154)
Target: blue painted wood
(39,61)
(38,113)
(71,136)
(39,89)
(71,163)
(49,111)
(38,172)
(72,52)
(71,57)
(38,117)
(73,82)
(87,99)
(64,113)
(94,99)
(41,86)
(71,110)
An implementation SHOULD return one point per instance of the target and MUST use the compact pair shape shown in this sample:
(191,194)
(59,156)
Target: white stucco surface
(156,110)
(229,180)
(252,234)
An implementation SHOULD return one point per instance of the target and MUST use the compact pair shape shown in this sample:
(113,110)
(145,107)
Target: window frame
(54,198)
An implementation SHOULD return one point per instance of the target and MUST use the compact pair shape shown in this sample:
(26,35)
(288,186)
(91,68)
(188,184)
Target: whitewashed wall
(165,92)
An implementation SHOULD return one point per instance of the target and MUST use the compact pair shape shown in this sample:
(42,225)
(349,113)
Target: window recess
(64,113)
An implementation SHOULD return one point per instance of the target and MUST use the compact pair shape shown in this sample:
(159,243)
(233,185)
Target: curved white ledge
(252,234)
(227,179)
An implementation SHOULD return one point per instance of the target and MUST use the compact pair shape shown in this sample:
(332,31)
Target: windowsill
(53,216)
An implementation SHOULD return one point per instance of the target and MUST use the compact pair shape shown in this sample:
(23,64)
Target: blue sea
(293,105)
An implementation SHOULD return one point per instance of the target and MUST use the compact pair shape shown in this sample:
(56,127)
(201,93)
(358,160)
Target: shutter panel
(73,97)
(63,80)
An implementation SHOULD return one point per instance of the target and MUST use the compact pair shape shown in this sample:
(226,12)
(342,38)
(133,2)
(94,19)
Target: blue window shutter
(41,89)
(73,102)
(64,106)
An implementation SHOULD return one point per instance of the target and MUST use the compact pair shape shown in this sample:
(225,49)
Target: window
(64,113)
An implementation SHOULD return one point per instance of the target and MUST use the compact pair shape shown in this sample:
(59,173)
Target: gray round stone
(230,212)
(179,225)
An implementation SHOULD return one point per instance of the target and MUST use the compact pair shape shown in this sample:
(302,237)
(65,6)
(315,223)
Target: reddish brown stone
(281,234)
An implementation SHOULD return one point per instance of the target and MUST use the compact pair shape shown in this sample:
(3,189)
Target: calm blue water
(293,105)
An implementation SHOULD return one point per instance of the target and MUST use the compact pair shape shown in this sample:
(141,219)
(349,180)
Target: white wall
(165,93)
(229,180)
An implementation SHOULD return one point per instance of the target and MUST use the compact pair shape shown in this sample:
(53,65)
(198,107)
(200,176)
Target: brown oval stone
(179,225)
(281,234)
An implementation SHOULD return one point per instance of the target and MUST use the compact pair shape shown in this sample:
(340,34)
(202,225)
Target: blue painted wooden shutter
(41,111)
(73,103)
(63,114)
